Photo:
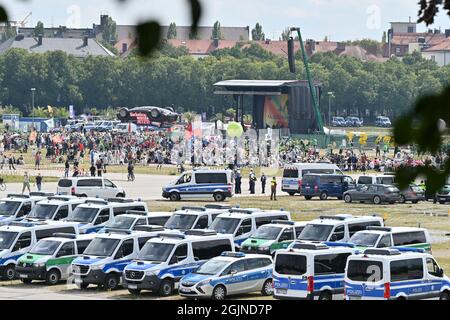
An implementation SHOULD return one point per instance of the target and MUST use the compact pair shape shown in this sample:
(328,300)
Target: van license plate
(132,286)
(78,280)
(23,276)
(354,297)
(442,199)
(185,290)
(281,291)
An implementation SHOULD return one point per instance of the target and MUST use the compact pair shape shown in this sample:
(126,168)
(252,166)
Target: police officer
(237,182)
(263,183)
(273,189)
(252,181)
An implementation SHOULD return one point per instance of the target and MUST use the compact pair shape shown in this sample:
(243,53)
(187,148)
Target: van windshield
(290,264)
(180,221)
(225,225)
(365,270)
(315,232)
(85,215)
(364,239)
(290,173)
(45,247)
(8,208)
(267,233)
(121,222)
(43,211)
(156,252)
(7,239)
(101,247)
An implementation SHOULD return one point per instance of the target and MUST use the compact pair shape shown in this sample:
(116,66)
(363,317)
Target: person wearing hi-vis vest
(273,189)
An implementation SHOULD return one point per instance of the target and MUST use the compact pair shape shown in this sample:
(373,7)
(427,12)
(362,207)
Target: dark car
(413,193)
(325,185)
(374,193)
(147,115)
(443,195)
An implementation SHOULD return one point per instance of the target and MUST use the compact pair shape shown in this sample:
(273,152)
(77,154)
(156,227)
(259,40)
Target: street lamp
(33,90)
(330,96)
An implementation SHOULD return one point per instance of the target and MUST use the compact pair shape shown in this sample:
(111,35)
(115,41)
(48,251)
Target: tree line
(173,78)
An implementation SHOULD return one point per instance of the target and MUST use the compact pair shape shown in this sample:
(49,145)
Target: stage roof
(258,87)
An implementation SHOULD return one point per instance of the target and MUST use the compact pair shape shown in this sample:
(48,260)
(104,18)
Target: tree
(109,34)
(257,33)
(9,32)
(285,34)
(39,29)
(216,32)
(172,31)
(384,38)
(193,34)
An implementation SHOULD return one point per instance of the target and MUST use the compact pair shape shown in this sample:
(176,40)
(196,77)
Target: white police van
(395,273)
(105,258)
(17,238)
(127,222)
(339,227)
(94,214)
(201,183)
(16,206)
(229,274)
(385,237)
(164,260)
(311,271)
(50,258)
(193,218)
(54,208)
(293,174)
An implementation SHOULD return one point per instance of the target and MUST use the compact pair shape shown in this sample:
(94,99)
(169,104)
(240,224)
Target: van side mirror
(440,273)
(17,247)
(233,272)
(119,254)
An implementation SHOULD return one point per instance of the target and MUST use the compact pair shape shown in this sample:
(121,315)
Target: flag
(50,123)
(71,112)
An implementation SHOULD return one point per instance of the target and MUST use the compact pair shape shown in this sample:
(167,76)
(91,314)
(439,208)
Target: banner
(276,113)
(71,112)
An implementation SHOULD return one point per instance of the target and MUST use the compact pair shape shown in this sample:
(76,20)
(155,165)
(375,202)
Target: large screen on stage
(276,113)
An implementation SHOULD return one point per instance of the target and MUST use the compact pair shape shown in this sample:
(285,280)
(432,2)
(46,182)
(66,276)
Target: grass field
(19,179)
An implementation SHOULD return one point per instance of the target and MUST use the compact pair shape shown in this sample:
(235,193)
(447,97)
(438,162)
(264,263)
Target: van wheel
(219,293)
(10,272)
(291,193)
(308,197)
(82,285)
(267,289)
(348,198)
(402,199)
(326,295)
(26,281)
(323,196)
(111,282)
(52,277)
(134,292)
(120,195)
(218,197)
(444,296)
(442,202)
(376,200)
(83,196)
(174,196)
(166,288)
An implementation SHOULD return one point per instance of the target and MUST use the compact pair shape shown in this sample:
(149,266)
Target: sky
(336,19)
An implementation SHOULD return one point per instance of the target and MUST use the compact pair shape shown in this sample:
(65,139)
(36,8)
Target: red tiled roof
(443,45)
(202,47)
(403,39)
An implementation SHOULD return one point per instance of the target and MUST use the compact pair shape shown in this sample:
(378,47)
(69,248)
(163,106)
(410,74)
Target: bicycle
(2,184)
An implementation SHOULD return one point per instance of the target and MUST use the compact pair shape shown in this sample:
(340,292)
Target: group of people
(252,183)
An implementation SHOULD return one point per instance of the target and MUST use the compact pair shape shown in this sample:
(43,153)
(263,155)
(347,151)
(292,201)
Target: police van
(133,220)
(94,214)
(164,260)
(201,183)
(229,274)
(106,256)
(16,206)
(268,238)
(385,237)
(395,273)
(54,208)
(311,271)
(50,258)
(193,218)
(293,174)
(17,238)
(338,228)
(242,223)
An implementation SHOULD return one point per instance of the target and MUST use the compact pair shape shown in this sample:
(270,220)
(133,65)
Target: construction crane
(308,74)
(25,20)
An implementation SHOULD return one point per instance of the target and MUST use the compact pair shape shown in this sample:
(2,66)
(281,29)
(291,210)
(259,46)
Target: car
(269,238)
(375,179)
(165,259)
(373,193)
(229,274)
(242,223)
(383,122)
(395,274)
(147,115)
(353,122)
(50,258)
(89,187)
(311,271)
(94,214)
(105,258)
(412,193)
(326,185)
(190,217)
(337,228)
(17,238)
(293,174)
(443,195)
(16,207)
(338,122)
(54,208)
(201,184)
(125,128)
(385,237)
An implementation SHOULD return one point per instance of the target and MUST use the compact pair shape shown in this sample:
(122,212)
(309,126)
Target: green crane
(310,81)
